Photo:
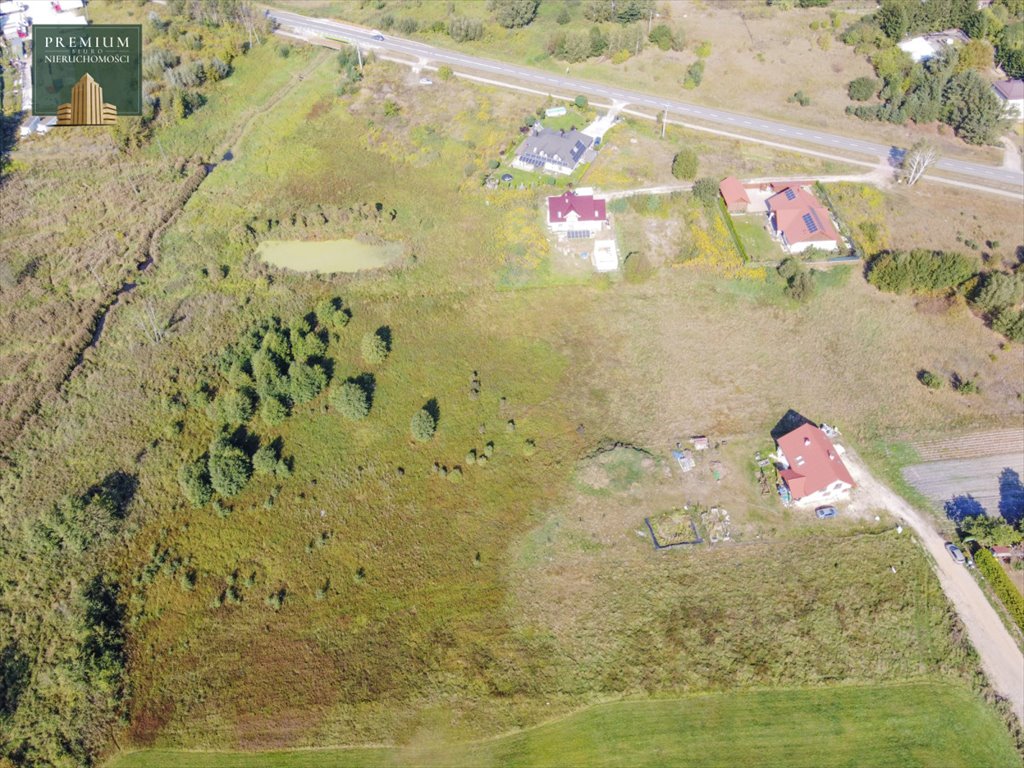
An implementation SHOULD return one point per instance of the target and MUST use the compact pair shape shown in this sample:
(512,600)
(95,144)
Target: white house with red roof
(800,220)
(812,467)
(573,215)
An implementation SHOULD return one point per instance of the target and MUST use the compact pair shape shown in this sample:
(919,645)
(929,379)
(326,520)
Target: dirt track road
(1001,659)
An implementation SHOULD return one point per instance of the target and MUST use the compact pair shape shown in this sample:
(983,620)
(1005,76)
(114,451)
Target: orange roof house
(733,193)
(801,220)
(813,469)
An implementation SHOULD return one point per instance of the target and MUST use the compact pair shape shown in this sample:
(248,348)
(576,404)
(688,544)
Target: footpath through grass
(920,724)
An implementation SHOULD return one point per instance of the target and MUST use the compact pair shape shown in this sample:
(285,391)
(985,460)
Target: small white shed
(606,256)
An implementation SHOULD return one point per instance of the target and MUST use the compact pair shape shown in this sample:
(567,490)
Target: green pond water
(327,255)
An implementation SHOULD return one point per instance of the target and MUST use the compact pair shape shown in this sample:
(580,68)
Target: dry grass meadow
(456,610)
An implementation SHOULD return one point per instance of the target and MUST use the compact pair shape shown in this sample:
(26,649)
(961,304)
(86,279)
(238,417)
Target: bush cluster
(684,164)
(351,400)
(919,270)
(423,425)
(800,284)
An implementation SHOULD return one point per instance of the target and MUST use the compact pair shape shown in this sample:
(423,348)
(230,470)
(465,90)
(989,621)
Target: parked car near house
(955,553)
(824,513)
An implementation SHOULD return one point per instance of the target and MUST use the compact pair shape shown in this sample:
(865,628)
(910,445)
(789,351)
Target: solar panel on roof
(809,223)
(790,194)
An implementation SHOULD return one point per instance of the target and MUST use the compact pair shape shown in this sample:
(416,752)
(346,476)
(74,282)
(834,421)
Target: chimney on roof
(831,456)
(807,441)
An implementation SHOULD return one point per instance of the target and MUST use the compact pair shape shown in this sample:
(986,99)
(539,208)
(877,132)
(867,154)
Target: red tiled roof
(814,462)
(585,207)
(800,217)
(732,191)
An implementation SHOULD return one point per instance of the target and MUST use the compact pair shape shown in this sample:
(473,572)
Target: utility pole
(664,120)
(359,55)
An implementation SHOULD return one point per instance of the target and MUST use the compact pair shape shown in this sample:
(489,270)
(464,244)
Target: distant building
(1011,93)
(800,220)
(576,216)
(812,468)
(553,151)
(924,47)
(735,196)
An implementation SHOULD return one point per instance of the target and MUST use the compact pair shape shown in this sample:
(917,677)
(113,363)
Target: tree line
(995,294)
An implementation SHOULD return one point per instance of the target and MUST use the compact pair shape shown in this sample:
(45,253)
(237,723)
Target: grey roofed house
(1010,90)
(548,146)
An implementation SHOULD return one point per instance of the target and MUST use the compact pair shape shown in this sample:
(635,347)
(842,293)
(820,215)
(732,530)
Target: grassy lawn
(920,724)
(756,240)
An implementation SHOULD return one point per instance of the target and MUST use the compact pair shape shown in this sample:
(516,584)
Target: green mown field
(919,724)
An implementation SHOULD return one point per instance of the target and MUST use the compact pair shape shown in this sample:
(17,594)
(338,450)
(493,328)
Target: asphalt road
(549,81)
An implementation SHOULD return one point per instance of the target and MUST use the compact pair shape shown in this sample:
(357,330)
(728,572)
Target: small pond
(327,255)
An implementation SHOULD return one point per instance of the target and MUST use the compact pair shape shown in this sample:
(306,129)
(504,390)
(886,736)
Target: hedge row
(1005,589)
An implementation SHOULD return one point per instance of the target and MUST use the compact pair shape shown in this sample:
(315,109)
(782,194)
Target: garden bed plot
(675,528)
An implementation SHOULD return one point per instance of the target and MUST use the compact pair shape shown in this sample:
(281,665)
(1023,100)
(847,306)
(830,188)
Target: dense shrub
(351,400)
(264,461)
(684,164)
(965,386)
(331,313)
(799,280)
(1004,588)
(308,345)
(663,37)
(230,468)
(999,290)
(1010,323)
(919,271)
(799,98)
(272,411)
(462,29)
(513,13)
(706,190)
(374,348)
(236,406)
(930,380)
(423,425)
(306,381)
(694,74)
(580,101)
(194,479)
(862,89)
